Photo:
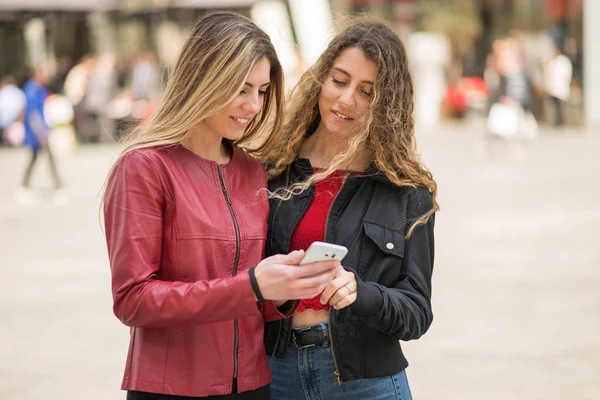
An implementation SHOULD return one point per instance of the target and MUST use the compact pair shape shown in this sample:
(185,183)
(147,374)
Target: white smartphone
(321,251)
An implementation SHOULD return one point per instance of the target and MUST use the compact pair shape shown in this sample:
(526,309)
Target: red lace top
(311,227)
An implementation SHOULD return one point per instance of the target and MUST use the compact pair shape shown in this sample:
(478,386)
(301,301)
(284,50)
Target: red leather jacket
(182,232)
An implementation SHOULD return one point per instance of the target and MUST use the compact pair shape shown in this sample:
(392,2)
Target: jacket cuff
(369,298)
(243,288)
(272,313)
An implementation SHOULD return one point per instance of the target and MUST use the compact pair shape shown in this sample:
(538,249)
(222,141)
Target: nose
(347,97)
(253,105)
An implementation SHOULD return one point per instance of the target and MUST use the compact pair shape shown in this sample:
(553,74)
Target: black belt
(308,337)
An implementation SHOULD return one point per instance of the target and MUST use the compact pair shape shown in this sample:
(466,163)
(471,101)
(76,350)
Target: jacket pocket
(389,241)
(382,254)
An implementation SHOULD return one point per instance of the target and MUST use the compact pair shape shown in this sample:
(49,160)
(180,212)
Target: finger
(282,258)
(340,270)
(339,295)
(353,286)
(306,271)
(345,302)
(316,284)
(292,258)
(334,286)
(331,289)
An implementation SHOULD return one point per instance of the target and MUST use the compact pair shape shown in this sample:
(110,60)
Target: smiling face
(347,91)
(231,122)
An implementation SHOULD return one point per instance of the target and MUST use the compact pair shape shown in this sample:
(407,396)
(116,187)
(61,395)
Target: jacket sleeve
(404,311)
(273,313)
(133,214)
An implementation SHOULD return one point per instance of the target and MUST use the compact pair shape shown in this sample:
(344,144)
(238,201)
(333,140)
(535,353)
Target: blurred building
(42,31)
(471,27)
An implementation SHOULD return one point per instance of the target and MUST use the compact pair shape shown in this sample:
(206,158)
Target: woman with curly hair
(345,170)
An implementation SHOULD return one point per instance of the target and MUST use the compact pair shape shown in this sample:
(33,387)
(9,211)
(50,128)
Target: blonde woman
(345,171)
(186,221)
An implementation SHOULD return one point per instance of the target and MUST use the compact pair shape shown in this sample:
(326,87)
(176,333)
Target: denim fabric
(308,374)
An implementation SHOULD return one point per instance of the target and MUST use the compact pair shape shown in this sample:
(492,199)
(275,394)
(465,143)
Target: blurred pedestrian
(510,115)
(101,88)
(186,220)
(346,166)
(37,132)
(558,73)
(57,83)
(12,107)
(76,87)
(515,84)
(146,78)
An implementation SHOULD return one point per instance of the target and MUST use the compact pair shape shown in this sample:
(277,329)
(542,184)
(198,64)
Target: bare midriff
(309,317)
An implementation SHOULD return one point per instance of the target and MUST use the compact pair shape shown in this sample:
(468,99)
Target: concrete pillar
(169,40)
(591,66)
(313,25)
(272,17)
(103,33)
(35,39)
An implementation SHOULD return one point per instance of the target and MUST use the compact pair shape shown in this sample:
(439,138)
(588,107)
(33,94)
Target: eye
(243,92)
(339,83)
(262,92)
(368,94)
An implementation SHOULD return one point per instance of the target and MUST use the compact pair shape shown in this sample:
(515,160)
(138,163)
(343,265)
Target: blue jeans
(308,374)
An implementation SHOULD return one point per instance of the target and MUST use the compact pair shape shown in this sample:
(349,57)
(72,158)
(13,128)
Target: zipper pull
(338,379)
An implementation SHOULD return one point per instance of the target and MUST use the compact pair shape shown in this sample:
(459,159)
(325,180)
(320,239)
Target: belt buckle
(296,343)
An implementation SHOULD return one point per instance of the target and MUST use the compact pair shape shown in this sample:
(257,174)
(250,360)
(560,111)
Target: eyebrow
(345,72)
(251,85)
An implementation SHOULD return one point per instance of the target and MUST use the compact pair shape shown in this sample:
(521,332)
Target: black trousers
(262,393)
(559,109)
(53,170)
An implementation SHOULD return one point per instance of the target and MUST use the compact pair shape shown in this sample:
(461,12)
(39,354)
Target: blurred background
(507,96)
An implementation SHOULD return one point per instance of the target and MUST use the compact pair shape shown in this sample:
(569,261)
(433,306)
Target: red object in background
(474,88)
(560,10)
(468,92)
(149,111)
(455,99)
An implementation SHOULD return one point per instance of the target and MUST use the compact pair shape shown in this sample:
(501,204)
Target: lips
(241,122)
(341,116)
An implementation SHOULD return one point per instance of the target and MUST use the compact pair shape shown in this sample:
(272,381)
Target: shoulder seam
(158,175)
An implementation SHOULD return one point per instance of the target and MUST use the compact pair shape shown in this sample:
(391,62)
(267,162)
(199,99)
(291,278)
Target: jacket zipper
(287,181)
(338,376)
(235,267)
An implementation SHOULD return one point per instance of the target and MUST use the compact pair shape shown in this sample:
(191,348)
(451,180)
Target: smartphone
(321,251)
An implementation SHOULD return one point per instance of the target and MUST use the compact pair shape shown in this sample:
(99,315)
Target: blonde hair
(386,131)
(210,71)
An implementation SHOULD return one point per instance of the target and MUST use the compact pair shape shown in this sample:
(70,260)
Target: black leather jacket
(370,216)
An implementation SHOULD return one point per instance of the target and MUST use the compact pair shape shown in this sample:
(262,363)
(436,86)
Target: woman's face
(347,91)
(231,122)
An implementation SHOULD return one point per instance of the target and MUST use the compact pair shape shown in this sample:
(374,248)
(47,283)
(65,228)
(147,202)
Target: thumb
(292,258)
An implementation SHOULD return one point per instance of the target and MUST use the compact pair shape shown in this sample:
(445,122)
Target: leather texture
(179,262)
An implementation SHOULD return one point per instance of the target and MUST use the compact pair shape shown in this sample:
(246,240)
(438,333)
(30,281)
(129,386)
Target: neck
(322,146)
(207,146)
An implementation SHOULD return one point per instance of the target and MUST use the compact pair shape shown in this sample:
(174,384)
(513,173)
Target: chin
(233,136)
(337,130)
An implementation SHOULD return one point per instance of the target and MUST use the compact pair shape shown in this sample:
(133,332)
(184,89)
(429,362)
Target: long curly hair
(386,131)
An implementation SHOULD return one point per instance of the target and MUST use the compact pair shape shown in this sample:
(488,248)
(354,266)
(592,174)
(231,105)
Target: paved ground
(516,286)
